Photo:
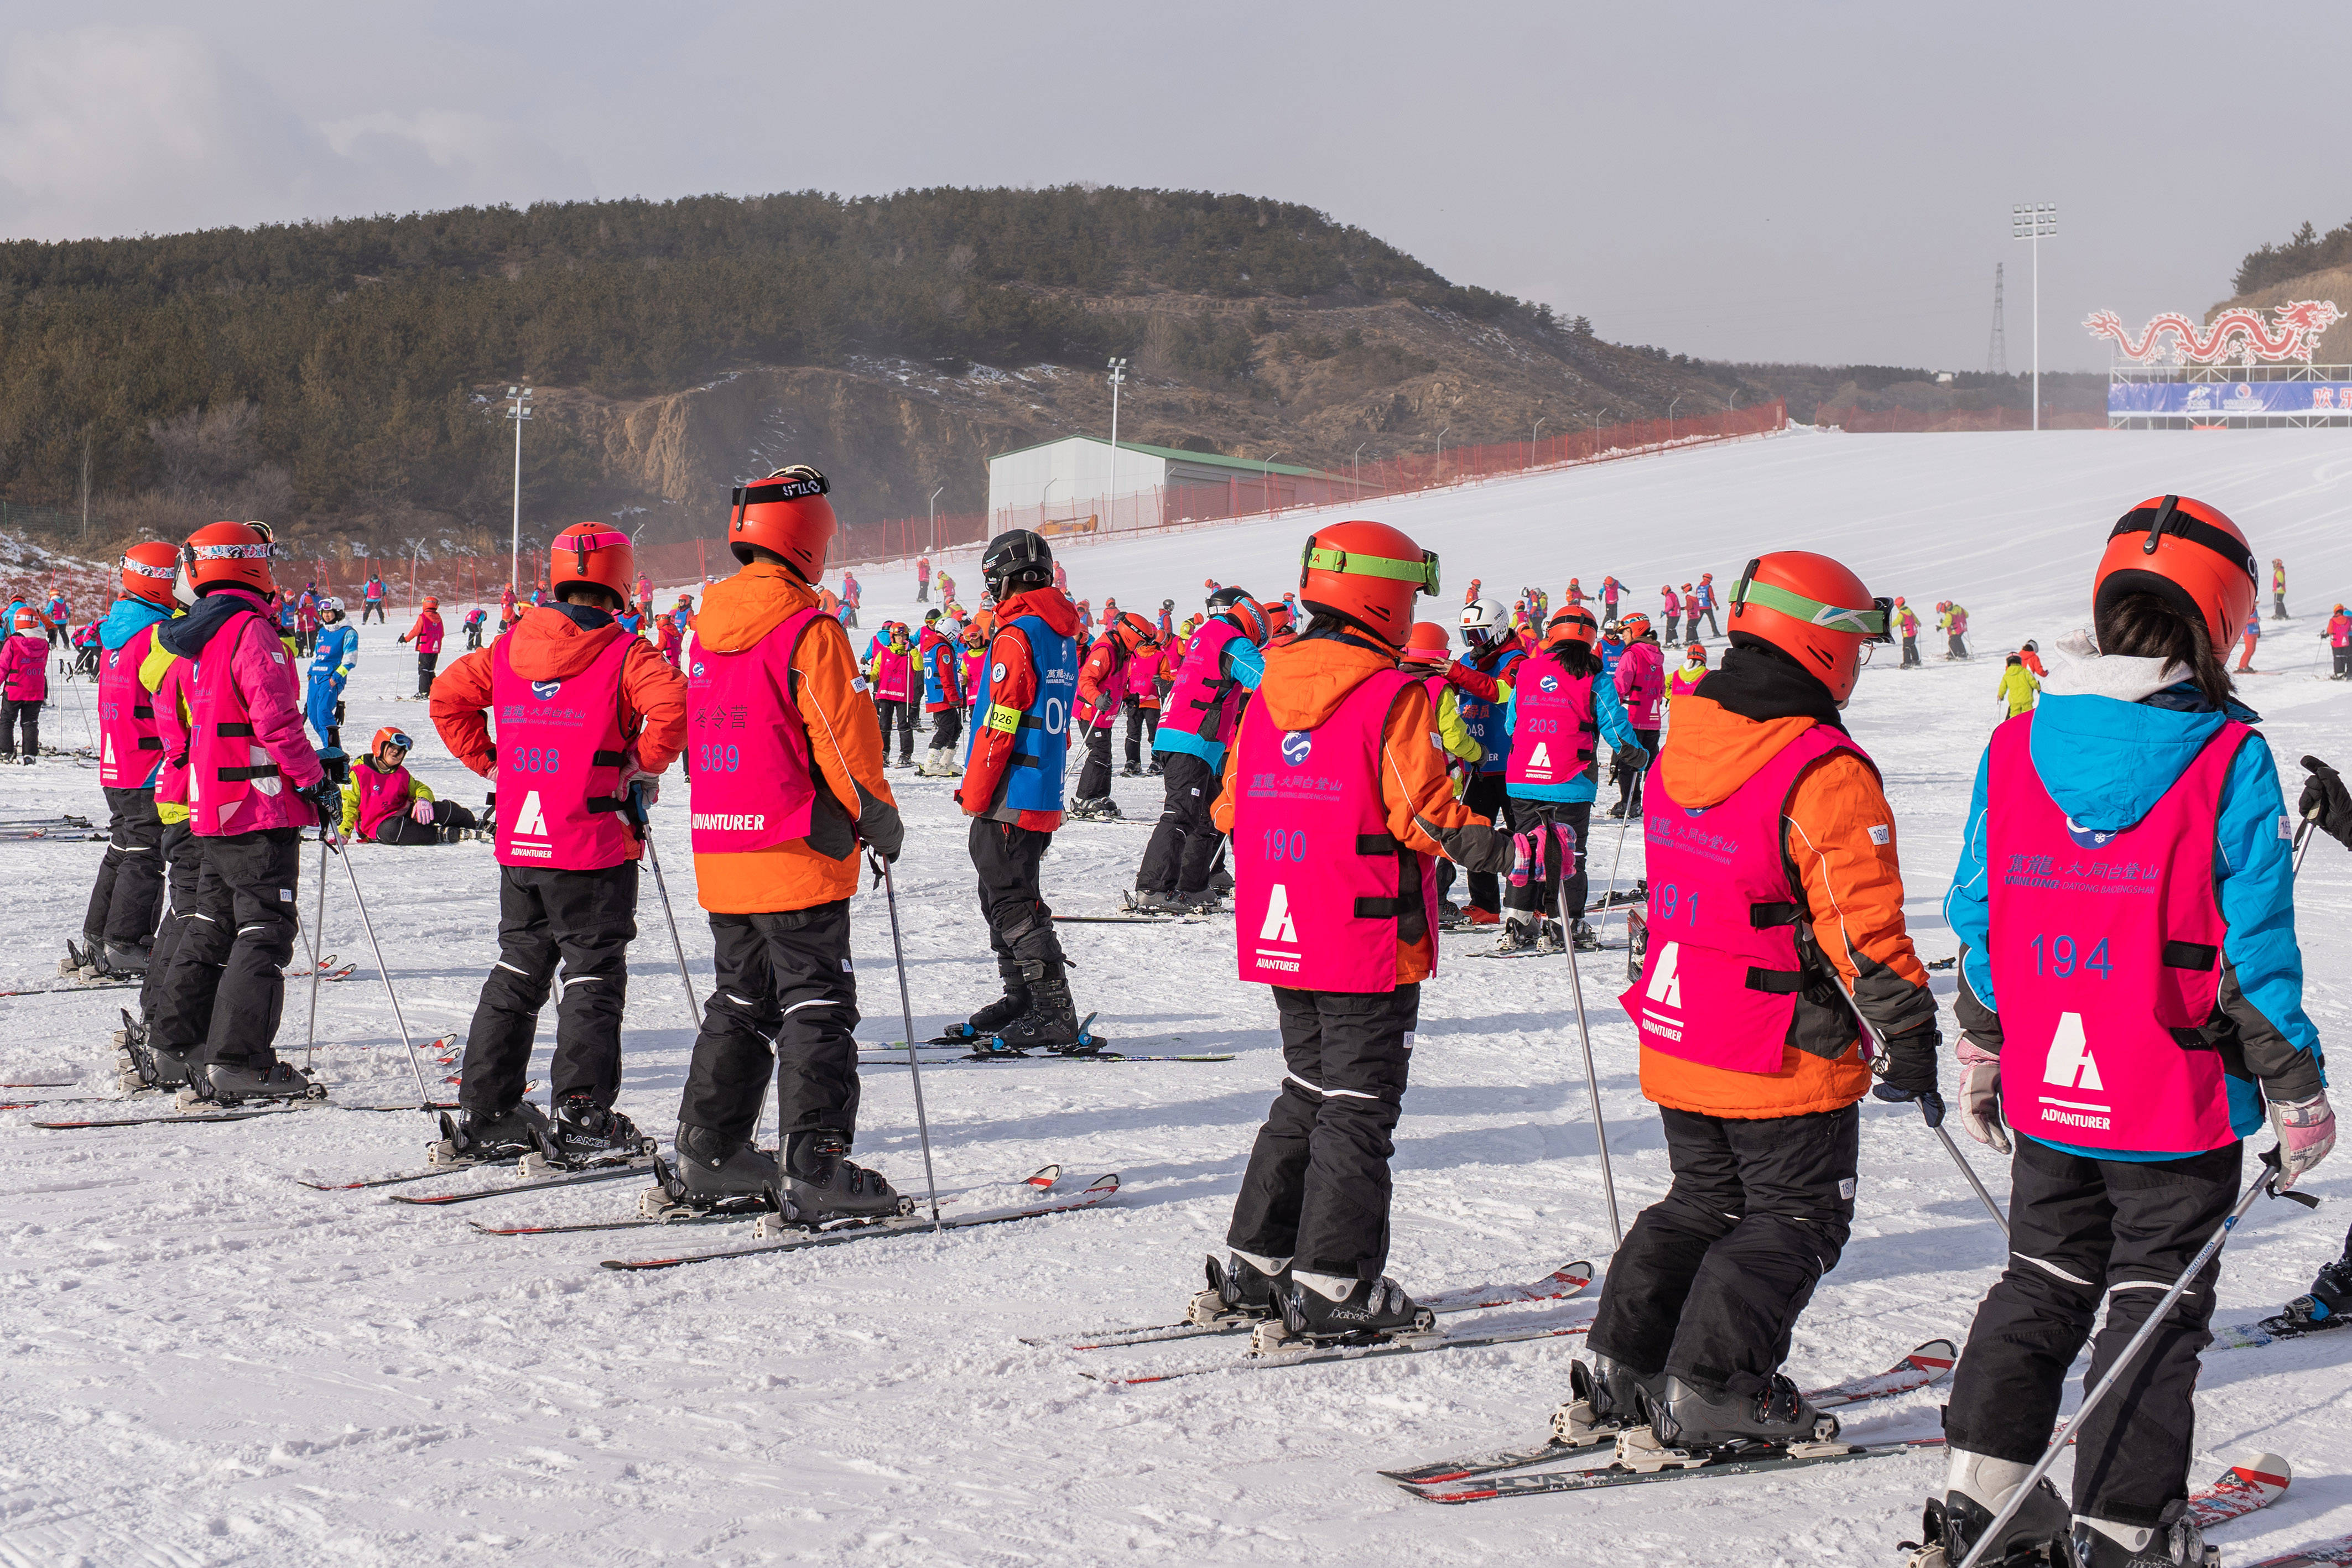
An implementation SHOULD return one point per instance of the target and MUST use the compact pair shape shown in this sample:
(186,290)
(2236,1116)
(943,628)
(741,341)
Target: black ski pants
(1183,841)
(183,854)
(1317,1188)
(1911,652)
(1544,818)
(1142,729)
(901,713)
(1957,649)
(1490,798)
(130,886)
(20,715)
(783,977)
(1094,778)
(1020,922)
(372,607)
(426,664)
(2081,1231)
(1629,777)
(947,728)
(1712,630)
(587,920)
(1712,1276)
(448,817)
(2343,660)
(228,982)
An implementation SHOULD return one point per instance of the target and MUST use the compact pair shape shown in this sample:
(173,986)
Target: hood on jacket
(127,620)
(1049,604)
(1737,719)
(187,634)
(556,642)
(2113,732)
(1307,678)
(738,610)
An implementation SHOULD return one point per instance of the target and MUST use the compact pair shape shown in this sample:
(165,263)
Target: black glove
(327,801)
(2325,802)
(1633,759)
(1907,1071)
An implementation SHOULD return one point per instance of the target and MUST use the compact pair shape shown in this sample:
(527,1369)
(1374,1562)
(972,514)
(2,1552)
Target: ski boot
(1100,808)
(1975,1487)
(1549,938)
(711,1176)
(1371,1310)
(585,1134)
(476,1137)
(1518,936)
(126,961)
(2328,1306)
(1220,882)
(1240,1290)
(1603,1400)
(1207,900)
(1132,770)
(2174,1543)
(153,1068)
(79,957)
(821,1186)
(1154,902)
(1052,1021)
(1478,917)
(982,1027)
(236,1083)
(1585,938)
(1694,1422)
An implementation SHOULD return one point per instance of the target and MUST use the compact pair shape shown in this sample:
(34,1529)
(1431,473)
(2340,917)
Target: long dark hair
(1577,658)
(2141,625)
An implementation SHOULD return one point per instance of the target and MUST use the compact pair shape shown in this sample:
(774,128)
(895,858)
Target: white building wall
(1072,476)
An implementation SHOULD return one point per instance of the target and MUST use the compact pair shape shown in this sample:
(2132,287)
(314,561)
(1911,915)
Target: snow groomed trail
(204,1362)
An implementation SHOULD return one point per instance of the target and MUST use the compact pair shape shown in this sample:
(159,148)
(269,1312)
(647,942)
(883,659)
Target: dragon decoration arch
(2238,333)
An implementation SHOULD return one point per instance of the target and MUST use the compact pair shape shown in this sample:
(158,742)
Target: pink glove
(1527,858)
(2306,1131)
(1980,1095)
(422,812)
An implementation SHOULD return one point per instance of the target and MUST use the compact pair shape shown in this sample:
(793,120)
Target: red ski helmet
(596,553)
(1573,624)
(2186,553)
(219,554)
(149,571)
(1367,574)
(1813,609)
(787,513)
(1634,627)
(1428,643)
(390,734)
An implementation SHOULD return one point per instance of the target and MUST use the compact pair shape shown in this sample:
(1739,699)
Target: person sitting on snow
(383,804)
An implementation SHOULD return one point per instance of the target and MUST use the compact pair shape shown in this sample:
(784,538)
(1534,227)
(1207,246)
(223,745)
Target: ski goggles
(1421,573)
(398,741)
(1870,624)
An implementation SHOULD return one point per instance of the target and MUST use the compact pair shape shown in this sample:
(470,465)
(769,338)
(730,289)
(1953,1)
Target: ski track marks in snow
(202,1364)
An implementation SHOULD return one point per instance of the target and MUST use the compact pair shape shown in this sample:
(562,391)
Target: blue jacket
(2106,763)
(1607,711)
(1243,661)
(127,620)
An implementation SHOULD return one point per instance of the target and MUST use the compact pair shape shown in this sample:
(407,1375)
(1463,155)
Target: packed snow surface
(208,1363)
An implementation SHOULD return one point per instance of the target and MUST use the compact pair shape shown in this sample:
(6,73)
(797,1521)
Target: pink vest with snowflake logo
(1719,981)
(2105,950)
(747,750)
(560,758)
(1321,888)
(1552,727)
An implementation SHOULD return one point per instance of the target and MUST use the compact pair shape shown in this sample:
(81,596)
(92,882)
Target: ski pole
(653,857)
(2302,844)
(423,1095)
(1968,1171)
(318,941)
(1614,862)
(2265,1181)
(907,1014)
(1591,1079)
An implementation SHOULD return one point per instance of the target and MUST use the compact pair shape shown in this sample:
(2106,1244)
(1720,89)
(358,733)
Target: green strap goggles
(1422,573)
(1870,622)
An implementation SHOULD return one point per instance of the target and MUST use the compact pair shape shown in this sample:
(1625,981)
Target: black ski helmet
(1015,560)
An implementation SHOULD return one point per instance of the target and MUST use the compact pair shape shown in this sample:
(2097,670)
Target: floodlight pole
(1533,430)
(935,519)
(1118,379)
(2030,221)
(519,413)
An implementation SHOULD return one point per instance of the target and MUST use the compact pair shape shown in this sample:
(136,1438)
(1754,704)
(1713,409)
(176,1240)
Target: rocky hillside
(345,377)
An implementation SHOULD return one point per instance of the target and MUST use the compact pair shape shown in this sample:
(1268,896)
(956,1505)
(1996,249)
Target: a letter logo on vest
(1297,746)
(109,758)
(2089,837)
(1540,757)
(532,819)
(1279,926)
(543,690)
(1665,981)
(2069,1065)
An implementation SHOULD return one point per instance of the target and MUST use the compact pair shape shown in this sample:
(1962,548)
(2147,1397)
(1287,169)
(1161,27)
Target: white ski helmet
(1482,620)
(330,606)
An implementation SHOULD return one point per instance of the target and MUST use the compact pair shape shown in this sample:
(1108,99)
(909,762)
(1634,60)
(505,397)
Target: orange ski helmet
(1428,643)
(221,553)
(1813,609)
(1367,574)
(149,571)
(597,553)
(1573,624)
(786,513)
(2187,554)
(1634,627)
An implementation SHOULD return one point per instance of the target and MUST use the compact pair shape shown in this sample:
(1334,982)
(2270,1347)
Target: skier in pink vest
(1338,806)
(24,684)
(1223,664)
(385,804)
(254,784)
(584,712)
(118,928)
(894,677)
(427,635)
(1774,914)
(1641,678)
(2131,1002)
(1671,606)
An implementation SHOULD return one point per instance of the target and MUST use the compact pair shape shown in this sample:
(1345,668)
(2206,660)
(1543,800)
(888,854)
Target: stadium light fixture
(518,411)
(2032,222)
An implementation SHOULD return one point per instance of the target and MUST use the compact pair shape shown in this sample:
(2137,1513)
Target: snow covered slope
(205,1364)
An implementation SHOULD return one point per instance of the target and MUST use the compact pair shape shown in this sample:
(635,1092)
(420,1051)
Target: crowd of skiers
(2129,999)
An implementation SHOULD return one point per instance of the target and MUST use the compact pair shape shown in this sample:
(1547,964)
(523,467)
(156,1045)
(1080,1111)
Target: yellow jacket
(2018,688)
(151,676)
(416,791)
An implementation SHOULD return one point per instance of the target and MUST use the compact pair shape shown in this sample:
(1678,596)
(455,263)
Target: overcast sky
(1807,182)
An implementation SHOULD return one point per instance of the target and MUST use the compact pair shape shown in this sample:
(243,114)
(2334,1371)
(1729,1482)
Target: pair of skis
(244,1113)
(977,1048)
(1038,1181)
